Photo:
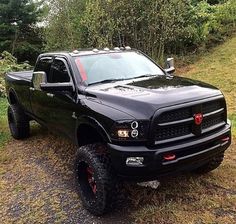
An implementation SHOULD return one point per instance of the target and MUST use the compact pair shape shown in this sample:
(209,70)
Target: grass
(4,132)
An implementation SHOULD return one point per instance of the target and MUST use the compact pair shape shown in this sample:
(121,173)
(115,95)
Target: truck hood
(141,97)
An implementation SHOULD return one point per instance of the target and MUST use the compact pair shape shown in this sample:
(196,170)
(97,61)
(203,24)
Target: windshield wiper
(121,79)
(143,76)
(106,81)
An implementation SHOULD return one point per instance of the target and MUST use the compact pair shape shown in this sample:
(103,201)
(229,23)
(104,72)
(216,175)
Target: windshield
(115,66)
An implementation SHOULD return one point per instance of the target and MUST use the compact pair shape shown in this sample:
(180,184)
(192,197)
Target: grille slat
(170,132)
(175,115)
(211,106)
(184,128)
(207,123)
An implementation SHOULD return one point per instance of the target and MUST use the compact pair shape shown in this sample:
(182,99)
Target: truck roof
(90,51)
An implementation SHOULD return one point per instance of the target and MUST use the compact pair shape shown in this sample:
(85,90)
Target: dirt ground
(37,183)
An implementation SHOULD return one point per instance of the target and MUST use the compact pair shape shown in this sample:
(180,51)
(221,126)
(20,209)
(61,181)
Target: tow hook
(152,184)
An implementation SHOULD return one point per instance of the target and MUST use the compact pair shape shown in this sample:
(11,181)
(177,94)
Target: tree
(64,29)
(157,27)
(19,33)
(143,24)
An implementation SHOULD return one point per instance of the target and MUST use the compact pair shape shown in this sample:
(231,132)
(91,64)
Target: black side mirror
(54,87)
(170,67)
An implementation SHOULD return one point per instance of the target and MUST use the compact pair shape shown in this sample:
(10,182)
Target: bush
(2,88)
(9,63)
(213,23)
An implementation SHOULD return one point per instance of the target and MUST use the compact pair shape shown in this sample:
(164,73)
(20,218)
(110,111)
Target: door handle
(50,95)
(32,89)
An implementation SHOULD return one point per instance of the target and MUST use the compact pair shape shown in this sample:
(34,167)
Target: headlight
(122,133)
(130,130)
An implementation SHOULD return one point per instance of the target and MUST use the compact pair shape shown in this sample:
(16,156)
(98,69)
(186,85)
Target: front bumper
(189,155)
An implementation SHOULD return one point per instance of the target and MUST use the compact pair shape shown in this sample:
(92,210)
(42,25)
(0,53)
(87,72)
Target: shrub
(9,63)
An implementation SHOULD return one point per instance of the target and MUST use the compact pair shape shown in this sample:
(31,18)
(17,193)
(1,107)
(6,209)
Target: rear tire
(97,182)
(18,122)
(211,165)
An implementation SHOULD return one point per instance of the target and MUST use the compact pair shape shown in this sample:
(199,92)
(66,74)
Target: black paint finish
(103,106)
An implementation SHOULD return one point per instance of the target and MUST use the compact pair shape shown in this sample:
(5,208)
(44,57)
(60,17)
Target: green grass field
(4,132)
(190,199)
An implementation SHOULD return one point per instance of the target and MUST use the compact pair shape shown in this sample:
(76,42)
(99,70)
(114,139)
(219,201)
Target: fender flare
(12,91)
(93,123)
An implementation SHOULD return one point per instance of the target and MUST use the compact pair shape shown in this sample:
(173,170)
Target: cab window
(43,65)
(59,72)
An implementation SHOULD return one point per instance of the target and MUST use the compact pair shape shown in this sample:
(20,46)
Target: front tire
(214,163)
(97,182)
(18,122)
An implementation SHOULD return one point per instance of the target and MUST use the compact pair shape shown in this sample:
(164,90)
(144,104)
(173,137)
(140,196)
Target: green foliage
(64,24)
(9,63)
(4,133)
(18,31)
(141,25)
(2,88)
(156,27)
(214,22)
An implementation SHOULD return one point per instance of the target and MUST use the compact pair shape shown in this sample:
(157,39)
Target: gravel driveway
(37,183)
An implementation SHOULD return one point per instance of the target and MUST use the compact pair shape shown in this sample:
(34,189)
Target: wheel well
(12,98)
(86,134)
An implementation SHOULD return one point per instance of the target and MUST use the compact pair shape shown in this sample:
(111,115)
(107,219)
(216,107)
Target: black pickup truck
(130,119)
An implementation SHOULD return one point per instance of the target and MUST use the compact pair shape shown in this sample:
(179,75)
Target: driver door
(61,105)
(39,99)
(54,109)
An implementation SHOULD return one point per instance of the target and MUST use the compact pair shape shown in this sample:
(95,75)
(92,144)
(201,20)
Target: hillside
(218,67)
(209,198)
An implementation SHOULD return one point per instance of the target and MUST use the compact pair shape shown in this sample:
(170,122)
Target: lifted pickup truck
(130,119)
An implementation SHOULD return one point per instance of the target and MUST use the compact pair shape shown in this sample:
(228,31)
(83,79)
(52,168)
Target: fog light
(134,161)
(123,133)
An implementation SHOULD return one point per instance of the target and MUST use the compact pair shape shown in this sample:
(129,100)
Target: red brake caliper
(91,180)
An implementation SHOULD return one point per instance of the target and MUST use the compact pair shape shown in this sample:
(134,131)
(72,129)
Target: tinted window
(44,65)
(59,72)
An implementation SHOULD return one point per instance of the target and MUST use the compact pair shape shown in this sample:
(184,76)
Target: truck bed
(19,83)
(24,75)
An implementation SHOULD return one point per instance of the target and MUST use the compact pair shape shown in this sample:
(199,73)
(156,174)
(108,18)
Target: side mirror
(55,87)
(170,67)
(40,74)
